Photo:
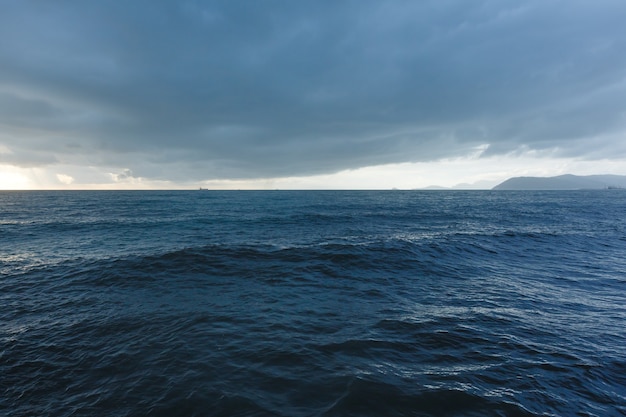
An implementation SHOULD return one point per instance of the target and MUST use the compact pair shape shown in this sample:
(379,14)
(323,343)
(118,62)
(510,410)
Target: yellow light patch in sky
(12,179)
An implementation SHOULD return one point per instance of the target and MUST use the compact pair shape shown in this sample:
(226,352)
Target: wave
(365,398)
(313,304)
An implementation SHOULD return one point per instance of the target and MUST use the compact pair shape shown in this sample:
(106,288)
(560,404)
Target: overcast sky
(320,94)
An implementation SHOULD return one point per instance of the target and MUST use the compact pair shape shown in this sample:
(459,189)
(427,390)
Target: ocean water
(313,303)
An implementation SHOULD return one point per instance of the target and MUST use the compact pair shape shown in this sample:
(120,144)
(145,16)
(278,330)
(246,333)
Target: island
(565,182)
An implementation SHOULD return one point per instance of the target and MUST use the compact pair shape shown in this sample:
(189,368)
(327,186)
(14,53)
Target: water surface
(313,303)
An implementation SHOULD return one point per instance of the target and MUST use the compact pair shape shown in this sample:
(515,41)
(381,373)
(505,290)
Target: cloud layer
(220,89)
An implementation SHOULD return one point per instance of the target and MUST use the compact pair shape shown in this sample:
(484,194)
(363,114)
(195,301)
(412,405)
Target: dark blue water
(284,303)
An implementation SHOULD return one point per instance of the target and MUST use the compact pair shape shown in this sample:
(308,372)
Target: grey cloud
(209,89)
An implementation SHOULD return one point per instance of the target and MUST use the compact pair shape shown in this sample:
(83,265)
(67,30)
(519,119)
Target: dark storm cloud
(205,89)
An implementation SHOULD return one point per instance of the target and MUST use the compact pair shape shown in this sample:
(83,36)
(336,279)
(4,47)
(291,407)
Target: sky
(318,94)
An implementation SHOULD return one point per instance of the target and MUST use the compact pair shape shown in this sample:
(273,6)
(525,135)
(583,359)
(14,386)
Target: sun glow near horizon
(12,178)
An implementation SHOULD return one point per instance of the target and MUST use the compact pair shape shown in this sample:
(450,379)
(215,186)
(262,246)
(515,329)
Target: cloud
(65,179)
(229,90)
(124,176)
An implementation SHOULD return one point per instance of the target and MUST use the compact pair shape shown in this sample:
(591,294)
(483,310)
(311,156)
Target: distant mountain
(478,185)
(564,182)
(434,187)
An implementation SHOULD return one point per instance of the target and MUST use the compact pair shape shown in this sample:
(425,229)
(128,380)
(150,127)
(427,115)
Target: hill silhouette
(564,182)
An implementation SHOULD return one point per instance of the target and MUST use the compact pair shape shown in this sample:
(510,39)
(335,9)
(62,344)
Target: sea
(313,303)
